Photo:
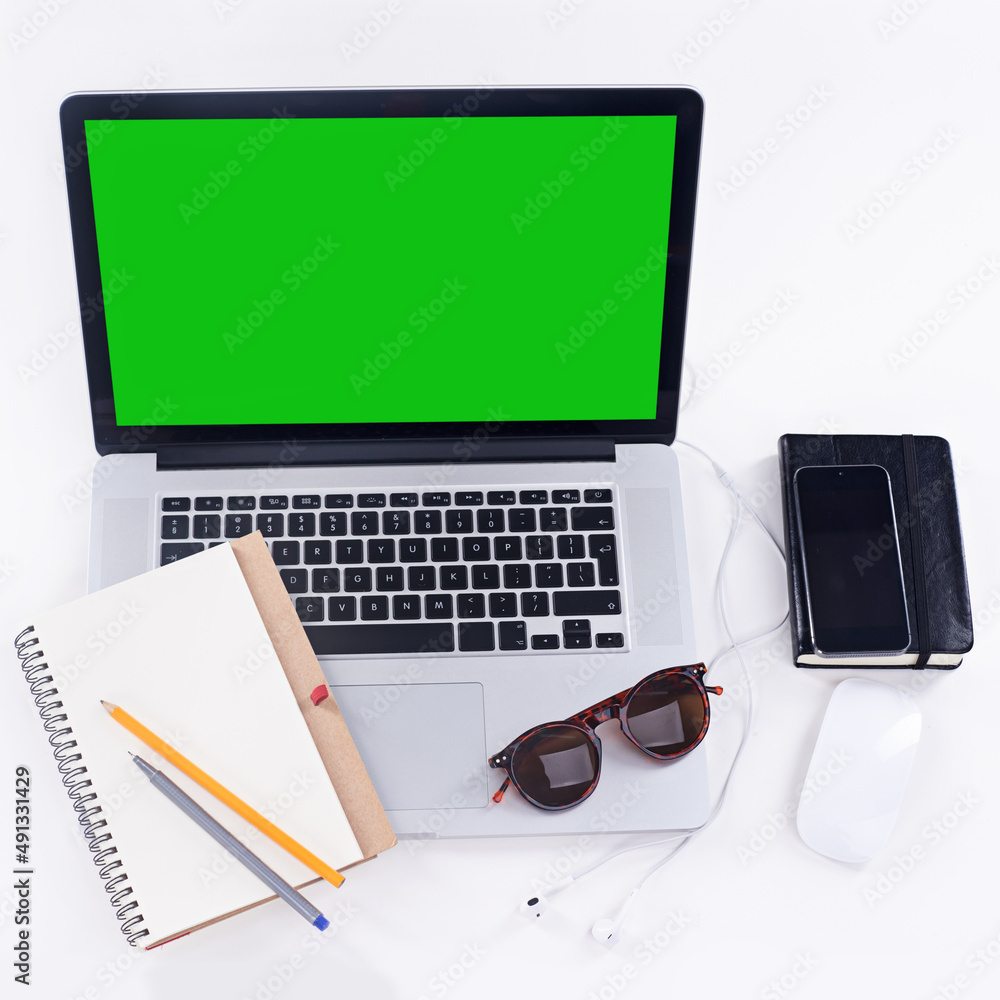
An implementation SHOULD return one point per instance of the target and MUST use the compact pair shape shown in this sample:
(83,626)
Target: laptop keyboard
(430,572)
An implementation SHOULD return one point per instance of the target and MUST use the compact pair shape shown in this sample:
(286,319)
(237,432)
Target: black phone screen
(854,585)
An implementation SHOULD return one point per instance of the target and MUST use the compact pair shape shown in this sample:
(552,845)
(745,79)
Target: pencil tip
(108,706)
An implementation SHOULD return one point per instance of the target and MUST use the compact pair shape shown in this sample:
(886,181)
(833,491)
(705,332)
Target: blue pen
(273,881)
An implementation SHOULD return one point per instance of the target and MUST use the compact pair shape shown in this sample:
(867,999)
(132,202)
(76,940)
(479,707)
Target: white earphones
(607,931)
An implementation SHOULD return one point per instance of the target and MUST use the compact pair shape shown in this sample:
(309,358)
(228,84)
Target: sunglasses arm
(498,794)
(713,690)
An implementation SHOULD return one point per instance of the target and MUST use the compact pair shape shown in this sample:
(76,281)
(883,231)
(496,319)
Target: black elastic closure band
(916,552)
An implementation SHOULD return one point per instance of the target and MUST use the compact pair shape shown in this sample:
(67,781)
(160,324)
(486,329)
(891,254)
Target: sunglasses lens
(667,714)
(557,766)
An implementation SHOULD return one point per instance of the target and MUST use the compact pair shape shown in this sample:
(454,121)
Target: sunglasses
(557,765)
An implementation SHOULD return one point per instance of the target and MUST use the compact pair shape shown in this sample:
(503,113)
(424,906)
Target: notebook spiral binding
(73,772)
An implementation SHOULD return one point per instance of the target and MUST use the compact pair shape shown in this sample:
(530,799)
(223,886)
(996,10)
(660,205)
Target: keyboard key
(578,641)
(485,577)
(241,503)
(454,578)
(504,497)
(438,606)
(176,503)
(538,546)
(513,635)
(592,518)
(427,522)
(402,499)
(413,550)
(338,500)
(580,574)
(387,637)
(604,549)
(534,604)
(471,606)
(420,578)
(475,549)
(325,581)
(207,526)
(521,519)
(506,548)
(208,503)
(610,640)
(374,608)
(317,553)
(172,551)
(301,525)
(597,496)
(517,576)
(549,575)
(489,519)
(296,580)
(532,496)
(333,523)
(381,550)
(285,553)
(553,519)
(309,609)
(389,578)
(503,605)
(570,547)
(238,525)
(342,609)
(273,503)
(474,499)
(396,522)
(565,496)
(364,522)
(371,500)
(406,607)
(586,602)
(476,637)
(436,499)
(269,525)
(350,550)
(358,581)
(545,642)
(175,526)
(458,522)
(306,501)
(444,549)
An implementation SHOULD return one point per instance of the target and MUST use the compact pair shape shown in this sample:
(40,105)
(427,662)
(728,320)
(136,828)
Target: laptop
(428,343)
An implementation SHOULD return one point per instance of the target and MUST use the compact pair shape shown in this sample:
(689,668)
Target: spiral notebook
(209,654)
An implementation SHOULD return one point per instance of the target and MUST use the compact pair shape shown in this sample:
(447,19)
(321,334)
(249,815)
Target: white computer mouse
(859,769)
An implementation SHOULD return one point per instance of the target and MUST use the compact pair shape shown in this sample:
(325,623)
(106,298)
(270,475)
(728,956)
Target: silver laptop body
(454,576)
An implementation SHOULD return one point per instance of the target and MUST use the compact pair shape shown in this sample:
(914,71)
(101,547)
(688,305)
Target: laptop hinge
(294,452)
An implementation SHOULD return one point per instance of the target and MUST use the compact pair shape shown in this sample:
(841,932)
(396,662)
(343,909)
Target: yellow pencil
(224,795)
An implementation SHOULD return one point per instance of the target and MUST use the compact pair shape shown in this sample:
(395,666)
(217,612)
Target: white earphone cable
(685,836)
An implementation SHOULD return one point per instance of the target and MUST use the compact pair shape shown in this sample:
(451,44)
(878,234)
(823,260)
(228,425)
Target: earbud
(608,930)
(534,907)
(537,905)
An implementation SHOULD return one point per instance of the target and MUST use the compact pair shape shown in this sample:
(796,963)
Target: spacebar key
(329,640)
(575,603)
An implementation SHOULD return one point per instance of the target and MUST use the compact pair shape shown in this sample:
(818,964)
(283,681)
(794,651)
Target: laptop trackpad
(424,745)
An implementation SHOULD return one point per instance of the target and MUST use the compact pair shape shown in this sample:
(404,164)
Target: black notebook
(931,556)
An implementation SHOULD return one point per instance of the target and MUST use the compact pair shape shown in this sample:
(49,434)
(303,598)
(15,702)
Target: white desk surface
(903,100)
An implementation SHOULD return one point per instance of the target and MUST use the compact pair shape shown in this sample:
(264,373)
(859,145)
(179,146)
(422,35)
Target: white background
(747,910)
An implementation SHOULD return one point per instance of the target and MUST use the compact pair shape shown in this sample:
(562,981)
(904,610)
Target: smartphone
(853,576)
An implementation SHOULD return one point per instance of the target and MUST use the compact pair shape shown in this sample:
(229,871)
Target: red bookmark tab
(320,694)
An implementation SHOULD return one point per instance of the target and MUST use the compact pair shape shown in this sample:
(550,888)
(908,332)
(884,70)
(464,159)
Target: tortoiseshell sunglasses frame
(587,722)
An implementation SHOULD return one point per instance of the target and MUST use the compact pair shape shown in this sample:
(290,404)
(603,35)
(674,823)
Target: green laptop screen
(383,270)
